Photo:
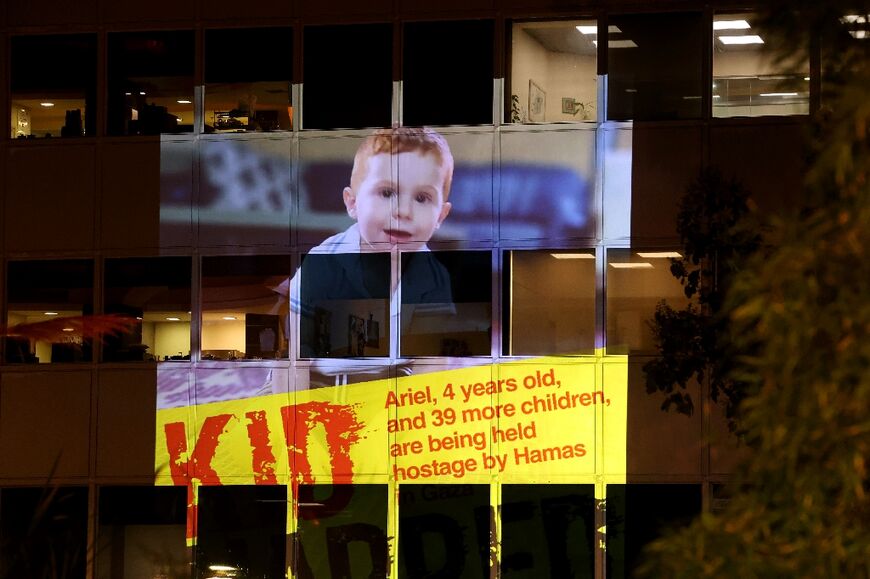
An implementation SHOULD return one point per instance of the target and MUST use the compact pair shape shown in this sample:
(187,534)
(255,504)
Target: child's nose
(401,207)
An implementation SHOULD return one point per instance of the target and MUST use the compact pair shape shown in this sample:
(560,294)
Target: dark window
(244,307)
(44,532)
(640,513)
(347,76)
(156,291)
(655,66)
(344,305)
(548,530)
(54,85)
(248,72)
(150,82)
(242,530)
(444,531)
(342,531)
(142,529)
(446,303)
(447,73)
(46,304)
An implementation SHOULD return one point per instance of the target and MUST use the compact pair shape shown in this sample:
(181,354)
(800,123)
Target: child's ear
(349,201)
(445,210)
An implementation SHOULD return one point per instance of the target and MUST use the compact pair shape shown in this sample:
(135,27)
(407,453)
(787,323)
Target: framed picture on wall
(537,103)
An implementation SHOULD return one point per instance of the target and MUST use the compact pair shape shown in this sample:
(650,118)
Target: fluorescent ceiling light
(627,43)
(573,255)
(730,25)
(221,568)
(229,318)
(744,39)
(806,78)
(46,105)
(716,96)
(173,319)
(69,329)
(658,254)
(632,265)
(779,94)
(183,101)
(50,313)
(860,34)
(142,92)
(592,29)
(854,19)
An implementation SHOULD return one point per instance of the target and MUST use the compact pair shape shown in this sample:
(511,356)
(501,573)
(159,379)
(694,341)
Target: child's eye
(422,198)
(386,192)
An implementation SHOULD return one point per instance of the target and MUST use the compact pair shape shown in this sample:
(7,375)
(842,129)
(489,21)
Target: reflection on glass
(342,531)
(44,531)
(550,302)
(329,73)
(446,306)
(748,78)
(243,317)
(554,73)
(548,531)
(242,531)
(655,66)
(636,282)
(53,85)
(156,291)
(344,305)
(150,82)
(50,295)
(247,79)
(444,531)
(141,532)
(640,513)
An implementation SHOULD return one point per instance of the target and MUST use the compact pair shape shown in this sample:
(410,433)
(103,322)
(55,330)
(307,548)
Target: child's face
(399,203)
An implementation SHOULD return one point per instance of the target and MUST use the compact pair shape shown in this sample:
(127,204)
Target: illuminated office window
(549,302)
(446,307)
(248,72)
(450,85)
(344,305)
(141,531)
(45,531)
(548,530)
(342,92)
(655,64)
(342,531)
(242,531)
(244,307)
(554,74)
(156,292)
(150,82)
(46,301)
(748,78)
(637,281)
(54,85)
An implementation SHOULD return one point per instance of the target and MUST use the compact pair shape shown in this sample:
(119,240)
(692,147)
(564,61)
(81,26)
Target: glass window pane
(150,82)
(54,85)
(446,305)
(640,513)
(344,305)
(654,66)
(548,530)
(244,528)
(549,302)
(444,531)
(44,532)
(554,71)
(342,92)
(453,84)
(45,301)
(156,291)
(243,315)
(748,79)
(637,281)
(141,532)
(248,72)
(342,531)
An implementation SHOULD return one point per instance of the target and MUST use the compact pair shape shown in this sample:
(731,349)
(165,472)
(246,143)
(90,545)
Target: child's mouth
(397,235)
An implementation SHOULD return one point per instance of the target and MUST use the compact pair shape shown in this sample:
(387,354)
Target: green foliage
(718,232)
(801,319)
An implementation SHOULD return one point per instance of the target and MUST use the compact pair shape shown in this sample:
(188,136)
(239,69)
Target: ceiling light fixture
(183,101)
(730,25)
(173,319)
(779,94)
(46,105)
(592,29)
(627,43)
(50,313)
(632,265)
(573,255)
(744,39)
(658,254)
(230,318)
